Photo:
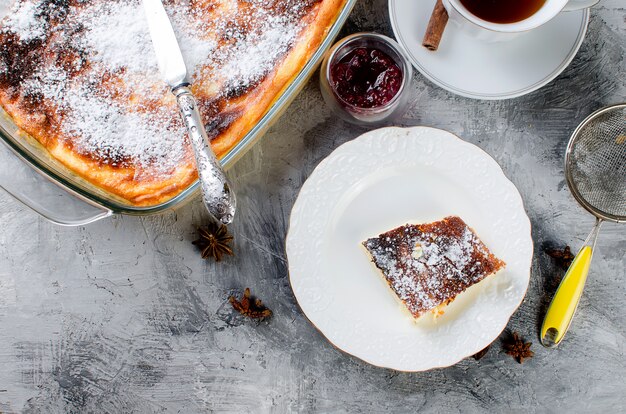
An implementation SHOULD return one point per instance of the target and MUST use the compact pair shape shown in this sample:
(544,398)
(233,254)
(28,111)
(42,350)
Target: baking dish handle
(53,202)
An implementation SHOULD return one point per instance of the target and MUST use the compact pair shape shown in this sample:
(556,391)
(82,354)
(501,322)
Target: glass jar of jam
(365,78)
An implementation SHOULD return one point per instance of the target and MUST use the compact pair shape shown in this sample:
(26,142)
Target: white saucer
(381,180)
(481,70)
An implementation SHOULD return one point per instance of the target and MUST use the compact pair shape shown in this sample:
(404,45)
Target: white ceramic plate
(482,70)
(381,180)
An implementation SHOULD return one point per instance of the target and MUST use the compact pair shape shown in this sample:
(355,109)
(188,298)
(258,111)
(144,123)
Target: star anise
(515,346)
(480,354)
(562,257)
(214,241)
(250,307)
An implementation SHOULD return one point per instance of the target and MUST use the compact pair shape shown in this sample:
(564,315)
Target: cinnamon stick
(436,26)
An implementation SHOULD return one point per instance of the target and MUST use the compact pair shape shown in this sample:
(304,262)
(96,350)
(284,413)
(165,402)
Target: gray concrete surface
(123,315)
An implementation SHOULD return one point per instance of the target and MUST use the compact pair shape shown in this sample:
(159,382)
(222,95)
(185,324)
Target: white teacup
(490,31)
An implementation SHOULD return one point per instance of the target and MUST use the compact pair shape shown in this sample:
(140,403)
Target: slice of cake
(428,265)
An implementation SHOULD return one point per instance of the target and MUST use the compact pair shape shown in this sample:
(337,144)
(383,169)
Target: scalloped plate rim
(458,141)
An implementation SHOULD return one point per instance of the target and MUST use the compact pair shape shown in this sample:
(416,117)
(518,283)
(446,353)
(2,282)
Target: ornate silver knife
(217,193)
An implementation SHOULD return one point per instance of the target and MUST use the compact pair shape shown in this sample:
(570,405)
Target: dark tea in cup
(503,11)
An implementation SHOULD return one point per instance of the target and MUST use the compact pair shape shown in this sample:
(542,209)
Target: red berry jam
(366,78)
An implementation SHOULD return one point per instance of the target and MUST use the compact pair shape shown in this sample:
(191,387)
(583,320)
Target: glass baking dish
(32,176)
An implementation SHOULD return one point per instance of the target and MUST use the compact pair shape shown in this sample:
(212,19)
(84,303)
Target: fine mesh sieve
(595,164)
(595,168)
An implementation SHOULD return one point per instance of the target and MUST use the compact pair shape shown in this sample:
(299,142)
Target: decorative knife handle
(217,194)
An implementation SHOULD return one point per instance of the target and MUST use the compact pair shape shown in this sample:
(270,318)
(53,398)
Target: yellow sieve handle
(565,301)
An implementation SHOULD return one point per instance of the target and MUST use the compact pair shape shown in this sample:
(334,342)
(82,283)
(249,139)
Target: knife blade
(217,193)
(168,54)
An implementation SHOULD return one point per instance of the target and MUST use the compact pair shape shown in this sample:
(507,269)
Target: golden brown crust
(239,114)
(264,94)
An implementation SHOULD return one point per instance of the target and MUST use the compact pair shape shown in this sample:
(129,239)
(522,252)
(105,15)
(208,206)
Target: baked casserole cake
(429,265)
(81,77)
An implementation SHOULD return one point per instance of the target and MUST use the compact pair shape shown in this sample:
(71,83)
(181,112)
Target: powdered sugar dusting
(251,61)
(104,83)
(146,141)
(24,20)
(196,46)
(431,264)
(116,35)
